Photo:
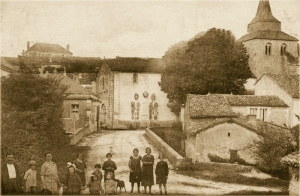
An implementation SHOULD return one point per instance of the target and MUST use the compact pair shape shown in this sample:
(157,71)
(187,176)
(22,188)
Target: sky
(128,28)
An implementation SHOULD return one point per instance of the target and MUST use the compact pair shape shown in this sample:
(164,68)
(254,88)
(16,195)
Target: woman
(147,174)
(49,175)
(109,167)
(135,169)
(80,168)
(73,182)
(162,172)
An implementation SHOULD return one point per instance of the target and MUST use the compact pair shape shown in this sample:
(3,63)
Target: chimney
(68,47)
(28,45)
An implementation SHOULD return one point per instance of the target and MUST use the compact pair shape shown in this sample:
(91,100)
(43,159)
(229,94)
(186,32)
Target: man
(10,177)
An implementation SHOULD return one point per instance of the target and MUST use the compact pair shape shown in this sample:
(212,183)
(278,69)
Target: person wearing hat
(30,178)
(109,166)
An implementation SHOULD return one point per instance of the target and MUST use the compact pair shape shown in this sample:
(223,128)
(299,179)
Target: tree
(31,109)
(214,62)
(275,143)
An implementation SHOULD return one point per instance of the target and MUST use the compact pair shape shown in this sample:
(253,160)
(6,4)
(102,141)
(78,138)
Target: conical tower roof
(264,19)
(264,13)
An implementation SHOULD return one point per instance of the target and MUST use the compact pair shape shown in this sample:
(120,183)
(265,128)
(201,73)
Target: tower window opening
(268,49)
(283,49)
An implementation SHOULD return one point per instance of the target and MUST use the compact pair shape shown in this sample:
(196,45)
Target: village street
(121,144)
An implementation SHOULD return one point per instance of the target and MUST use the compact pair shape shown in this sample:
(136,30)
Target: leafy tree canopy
(31,108)
(214,62)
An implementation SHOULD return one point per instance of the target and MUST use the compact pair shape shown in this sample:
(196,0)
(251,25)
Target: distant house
(130,94)
(292,160)
(47,51)
(8,65)
(286,87)
(225,125)
(81,110)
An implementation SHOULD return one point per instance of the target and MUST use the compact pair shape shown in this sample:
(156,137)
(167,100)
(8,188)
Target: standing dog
(120,184)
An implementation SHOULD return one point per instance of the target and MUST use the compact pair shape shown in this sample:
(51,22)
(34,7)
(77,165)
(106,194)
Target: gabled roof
(288,83)
(73,87)
(138,65)
(267,34)
(209,106)
(291,159)
(264,13)
(84,78)
(254,100)
(47,48)
(259,127)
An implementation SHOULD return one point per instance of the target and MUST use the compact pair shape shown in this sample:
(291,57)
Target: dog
(121,185)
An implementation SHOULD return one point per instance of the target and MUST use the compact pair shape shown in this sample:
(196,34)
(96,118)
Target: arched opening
(268,49)
(283,49)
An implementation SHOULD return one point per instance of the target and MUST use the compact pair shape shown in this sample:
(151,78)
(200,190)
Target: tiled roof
(257,126)
(291,159)
(10,64)
(273,35)
(139,65)
(209,106)
(45,47)
(254,100)
(288,83)
(84,78)
(219,105)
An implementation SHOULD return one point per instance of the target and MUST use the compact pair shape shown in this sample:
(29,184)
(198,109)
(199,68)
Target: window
(253,111)
(263,114)
(135,78)
(283,49)
(228,134)
(75,108)
(268,49)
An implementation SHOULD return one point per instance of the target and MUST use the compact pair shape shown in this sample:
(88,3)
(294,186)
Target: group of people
(141,172)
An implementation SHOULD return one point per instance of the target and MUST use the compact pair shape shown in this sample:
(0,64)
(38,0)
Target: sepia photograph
(147,97)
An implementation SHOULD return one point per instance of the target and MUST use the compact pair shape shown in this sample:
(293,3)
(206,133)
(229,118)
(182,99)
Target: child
(94,185)
(30,178)
(109,167)
(99,176)
(110,185)
(73,182)
(161,172)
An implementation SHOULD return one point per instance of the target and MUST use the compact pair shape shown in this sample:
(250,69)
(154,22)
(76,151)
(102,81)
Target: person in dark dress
(147,173)
(162,172)
(109,167)
(135,169)
(73,182)
(80,168)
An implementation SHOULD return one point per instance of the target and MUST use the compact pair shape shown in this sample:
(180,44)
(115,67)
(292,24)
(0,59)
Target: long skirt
(135,176)
(51,184)
(147,176)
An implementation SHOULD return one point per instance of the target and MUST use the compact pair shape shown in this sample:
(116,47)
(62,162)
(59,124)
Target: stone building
(130,94)
(267,44)
(81,110)
(226,126)
(200,109)
(286,87)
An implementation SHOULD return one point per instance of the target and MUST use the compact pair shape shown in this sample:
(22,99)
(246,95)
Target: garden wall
(176,159)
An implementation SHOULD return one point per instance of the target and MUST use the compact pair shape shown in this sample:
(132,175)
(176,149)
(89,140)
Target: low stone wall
(176,159)
(79,135)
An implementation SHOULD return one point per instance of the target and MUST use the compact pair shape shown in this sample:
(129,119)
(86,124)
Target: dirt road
(121,144)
